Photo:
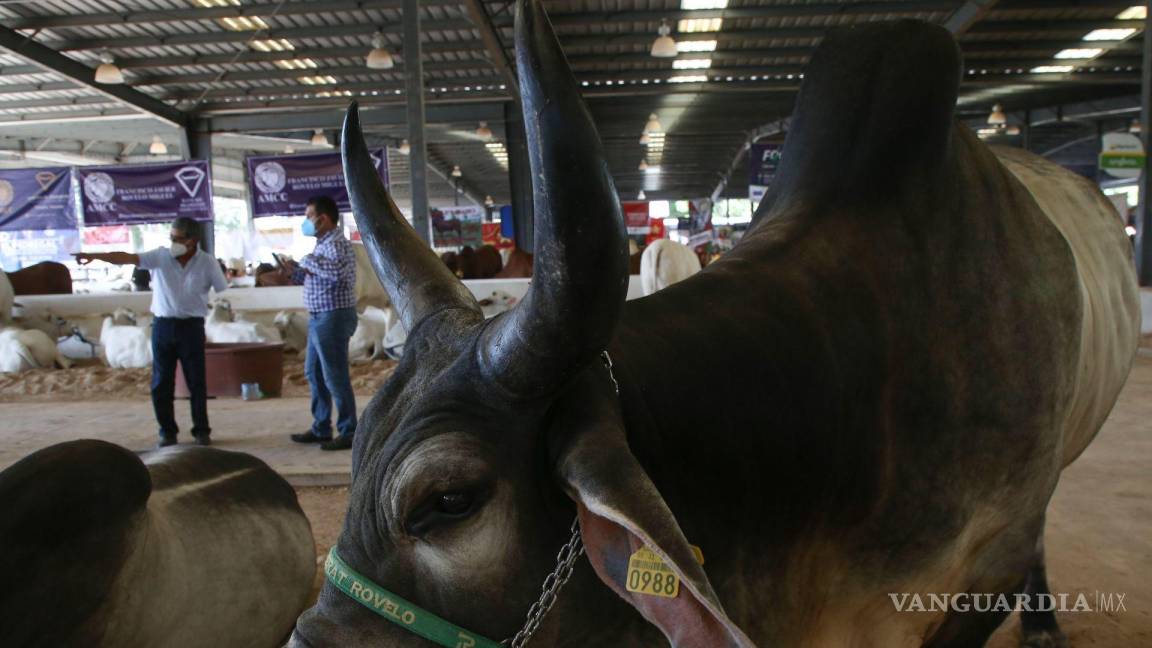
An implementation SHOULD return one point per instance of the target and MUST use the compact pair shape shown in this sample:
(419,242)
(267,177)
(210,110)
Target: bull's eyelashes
(442,509)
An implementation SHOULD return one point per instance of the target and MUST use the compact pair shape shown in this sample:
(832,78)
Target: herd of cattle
(122,339)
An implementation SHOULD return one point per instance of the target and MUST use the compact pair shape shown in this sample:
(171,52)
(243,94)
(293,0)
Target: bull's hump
(873,117)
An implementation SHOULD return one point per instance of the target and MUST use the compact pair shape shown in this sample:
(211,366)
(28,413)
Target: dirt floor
(1099,536)
(91,380)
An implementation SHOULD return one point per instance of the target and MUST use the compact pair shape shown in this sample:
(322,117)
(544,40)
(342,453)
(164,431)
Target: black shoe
(339,443)
(308,437)
(166,441)
(203,440)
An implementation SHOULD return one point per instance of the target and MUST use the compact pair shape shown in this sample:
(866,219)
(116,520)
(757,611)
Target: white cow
(125,344)
(221,326)
(367,343)
(664,263)
(369,290)
(7,299)
(293,328)
(24,349)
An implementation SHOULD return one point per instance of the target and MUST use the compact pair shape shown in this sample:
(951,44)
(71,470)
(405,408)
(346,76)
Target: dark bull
(874,392)
(179,548)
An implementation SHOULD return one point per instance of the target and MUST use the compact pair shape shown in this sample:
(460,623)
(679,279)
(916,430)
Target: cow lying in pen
(874,392)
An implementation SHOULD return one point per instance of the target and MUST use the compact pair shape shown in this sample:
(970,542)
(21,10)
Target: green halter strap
(399,611)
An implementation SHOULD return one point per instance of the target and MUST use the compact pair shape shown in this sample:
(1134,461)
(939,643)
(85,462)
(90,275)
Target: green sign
(1121,160)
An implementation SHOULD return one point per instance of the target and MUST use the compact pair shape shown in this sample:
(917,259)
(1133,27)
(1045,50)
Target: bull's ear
(621,513)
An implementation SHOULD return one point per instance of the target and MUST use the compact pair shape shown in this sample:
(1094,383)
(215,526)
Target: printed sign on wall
(145,193)
(282,184)
(457,226)
(763,163)
(636,217)
(36,199)
(26,247)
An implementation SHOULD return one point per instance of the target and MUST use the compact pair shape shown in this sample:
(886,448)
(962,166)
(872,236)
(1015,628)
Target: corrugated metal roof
(187,55)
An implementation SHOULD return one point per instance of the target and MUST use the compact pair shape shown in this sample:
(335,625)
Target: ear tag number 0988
(649,574)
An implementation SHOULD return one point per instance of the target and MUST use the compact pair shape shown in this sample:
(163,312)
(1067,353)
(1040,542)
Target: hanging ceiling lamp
(641,196)
(484,132)
(456,172)
(664,46)
(643,165)
(1134,127)
(319,138)
(488,202)
(157,147)
(645,140)
(653,125)
(404,148)
(379,58)
(997,116)
(107,72)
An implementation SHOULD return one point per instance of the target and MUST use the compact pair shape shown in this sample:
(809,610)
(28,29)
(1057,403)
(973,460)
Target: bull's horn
(581,256)
(418,283)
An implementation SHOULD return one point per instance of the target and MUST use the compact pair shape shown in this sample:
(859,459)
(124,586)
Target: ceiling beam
(208,38)
(967,15)
(391,115)
(564,19)
(53,61)
(147,17)
(394,74)
(492,44)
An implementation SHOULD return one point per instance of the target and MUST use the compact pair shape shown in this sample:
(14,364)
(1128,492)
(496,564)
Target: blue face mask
(308,228)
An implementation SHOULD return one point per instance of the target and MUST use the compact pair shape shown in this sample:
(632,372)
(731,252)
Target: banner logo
(99,187)
(190,179)
(376,161)
(270,177)
(45,179)
(7,193)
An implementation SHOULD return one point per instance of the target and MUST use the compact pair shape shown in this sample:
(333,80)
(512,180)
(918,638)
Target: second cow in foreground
(874,392)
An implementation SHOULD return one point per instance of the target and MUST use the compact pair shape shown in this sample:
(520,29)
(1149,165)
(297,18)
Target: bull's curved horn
(418,282)
(581,257)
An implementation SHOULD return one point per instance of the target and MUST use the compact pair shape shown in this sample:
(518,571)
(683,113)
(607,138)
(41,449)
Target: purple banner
(36,199)
(282,184)
(763,162)
(145,193)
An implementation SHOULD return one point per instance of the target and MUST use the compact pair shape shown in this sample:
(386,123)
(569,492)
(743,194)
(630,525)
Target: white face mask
(178,250)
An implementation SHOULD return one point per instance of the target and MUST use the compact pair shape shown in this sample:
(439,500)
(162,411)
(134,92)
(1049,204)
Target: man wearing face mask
(329,278)
(182,275)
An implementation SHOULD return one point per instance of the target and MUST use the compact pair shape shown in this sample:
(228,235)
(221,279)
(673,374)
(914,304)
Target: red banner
(655,230)
(636,217)
(491,234)
(110,235)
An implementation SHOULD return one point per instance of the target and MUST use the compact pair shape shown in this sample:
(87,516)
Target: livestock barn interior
(785,322)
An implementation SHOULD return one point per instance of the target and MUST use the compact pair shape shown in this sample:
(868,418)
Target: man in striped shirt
(329,278)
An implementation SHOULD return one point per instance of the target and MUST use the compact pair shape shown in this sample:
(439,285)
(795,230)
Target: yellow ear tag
(649,574)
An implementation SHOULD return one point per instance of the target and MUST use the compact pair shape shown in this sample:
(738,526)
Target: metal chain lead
(565,562)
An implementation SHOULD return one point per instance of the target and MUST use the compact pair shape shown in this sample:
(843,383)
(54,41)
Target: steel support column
(418,155)
(196,144)
(519,177)
(1144,211)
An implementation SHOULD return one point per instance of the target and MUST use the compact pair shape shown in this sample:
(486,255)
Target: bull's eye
(455,503)
(443,509)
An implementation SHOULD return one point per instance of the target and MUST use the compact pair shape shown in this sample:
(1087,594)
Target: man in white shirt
(182,275)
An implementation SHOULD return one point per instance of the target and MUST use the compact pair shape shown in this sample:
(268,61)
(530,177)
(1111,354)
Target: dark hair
(325,205)
(191,228)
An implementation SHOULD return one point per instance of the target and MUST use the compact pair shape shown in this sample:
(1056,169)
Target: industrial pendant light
(641,196)
(997,116)
(404,148)
(319,139)
(484,132)
(643,165)
(488,202)
(456,172)
(664,46)
(379,58)
(157,147)
(107,72)
(653,125)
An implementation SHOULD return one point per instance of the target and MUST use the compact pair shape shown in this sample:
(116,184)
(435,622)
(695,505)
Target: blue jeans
(326,365)
(179,339)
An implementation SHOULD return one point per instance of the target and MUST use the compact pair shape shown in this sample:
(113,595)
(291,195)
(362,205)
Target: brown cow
(519,266)
(44,278)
